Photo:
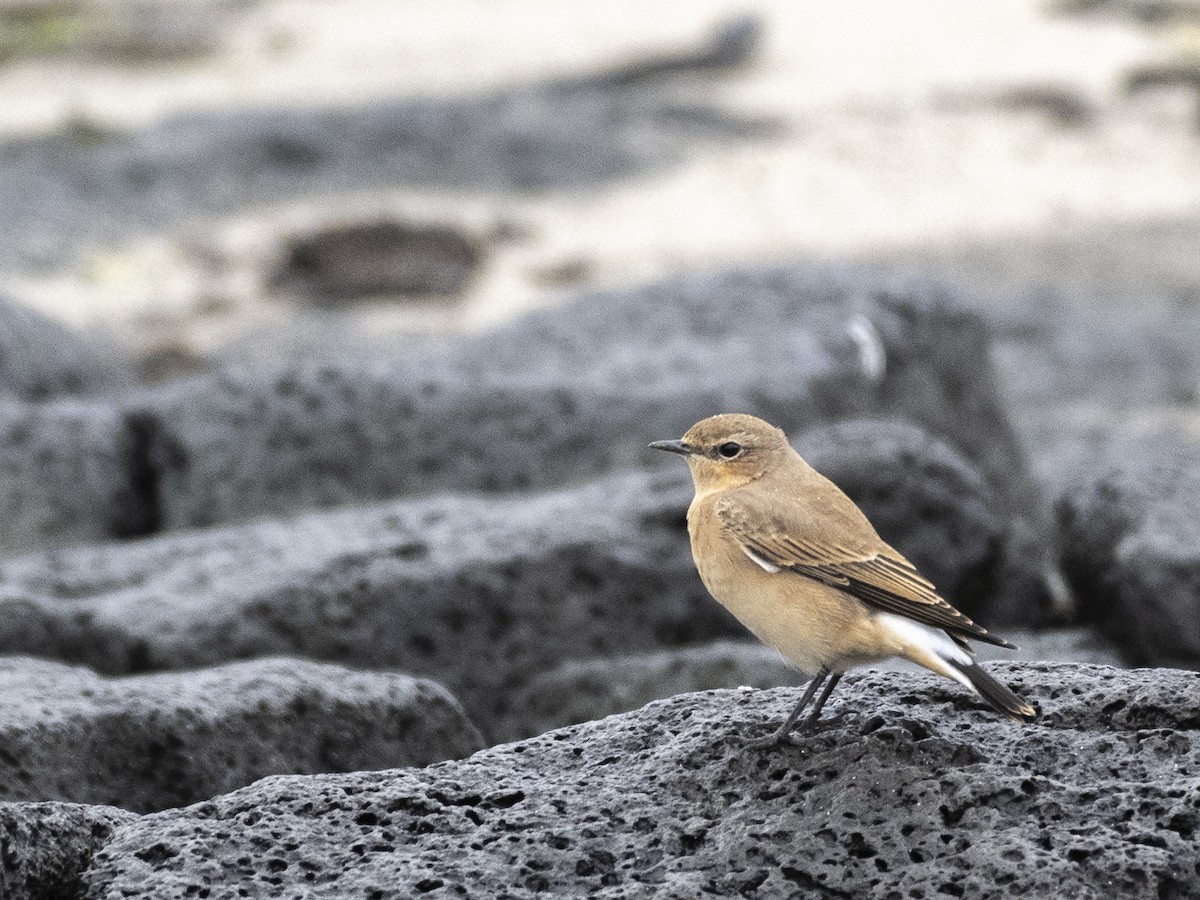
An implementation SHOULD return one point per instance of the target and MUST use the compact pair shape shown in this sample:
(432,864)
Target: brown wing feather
(877,575)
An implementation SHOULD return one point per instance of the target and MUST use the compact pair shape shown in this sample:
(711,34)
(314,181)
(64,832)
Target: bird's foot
(781,737)
(794,736)
(770,741)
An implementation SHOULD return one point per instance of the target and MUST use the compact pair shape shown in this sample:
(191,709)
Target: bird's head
(729,450)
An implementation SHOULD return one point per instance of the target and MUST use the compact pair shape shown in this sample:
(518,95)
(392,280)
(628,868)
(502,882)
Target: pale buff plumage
(796,561)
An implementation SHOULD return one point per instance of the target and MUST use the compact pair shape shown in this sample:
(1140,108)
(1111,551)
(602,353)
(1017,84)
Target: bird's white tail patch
(935,643)
(762,563)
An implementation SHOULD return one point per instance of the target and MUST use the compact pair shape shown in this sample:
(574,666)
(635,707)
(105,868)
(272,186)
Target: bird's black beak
(674,447)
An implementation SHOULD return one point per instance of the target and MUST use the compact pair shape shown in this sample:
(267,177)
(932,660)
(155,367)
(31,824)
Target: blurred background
(209,178)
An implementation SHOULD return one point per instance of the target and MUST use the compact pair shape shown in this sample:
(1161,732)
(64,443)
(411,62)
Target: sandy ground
(892,143)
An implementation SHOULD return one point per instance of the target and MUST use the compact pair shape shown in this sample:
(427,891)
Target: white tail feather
(934,643)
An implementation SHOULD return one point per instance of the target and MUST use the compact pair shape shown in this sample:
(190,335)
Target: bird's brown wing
(835,554)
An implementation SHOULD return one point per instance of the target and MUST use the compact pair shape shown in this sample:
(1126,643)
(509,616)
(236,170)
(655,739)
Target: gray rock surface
(44,847)
(915,791)
(1077,376)
(72,471)
(41,359)
(561,395)
(479,593)
(151,742)
(1131,548)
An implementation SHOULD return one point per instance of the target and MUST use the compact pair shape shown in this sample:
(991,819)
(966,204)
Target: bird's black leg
(816,713)
(779,735)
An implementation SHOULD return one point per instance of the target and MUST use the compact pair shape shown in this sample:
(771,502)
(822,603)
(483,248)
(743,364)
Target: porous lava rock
(44,847)
(584,690)
(150,742)
(478,593)
(72,471)
(912,789)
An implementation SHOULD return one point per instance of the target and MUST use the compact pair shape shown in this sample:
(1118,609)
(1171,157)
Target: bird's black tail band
(997,695)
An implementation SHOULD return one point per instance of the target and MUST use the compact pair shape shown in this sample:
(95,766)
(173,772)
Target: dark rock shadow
(62,191)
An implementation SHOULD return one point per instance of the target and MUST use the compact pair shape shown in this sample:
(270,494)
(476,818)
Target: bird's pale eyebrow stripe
(766,566)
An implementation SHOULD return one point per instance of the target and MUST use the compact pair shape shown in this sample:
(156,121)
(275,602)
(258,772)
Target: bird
(799,564)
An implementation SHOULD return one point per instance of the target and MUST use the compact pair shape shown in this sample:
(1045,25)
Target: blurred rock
(1178,74)
(150,742)
(480,593)
(734,44)
(1147,12)
(41,359)
(1073,645)
(915,791)
(1131,548)
(1079,376)
(354,261)
(1066,105)
(70,472)
(45,847)
(548,400)
(564,394)
(583,690)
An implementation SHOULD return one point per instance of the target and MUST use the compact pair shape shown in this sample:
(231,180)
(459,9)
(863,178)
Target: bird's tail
(997,695)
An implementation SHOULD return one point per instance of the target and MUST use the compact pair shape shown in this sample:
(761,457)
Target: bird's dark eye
(730,449)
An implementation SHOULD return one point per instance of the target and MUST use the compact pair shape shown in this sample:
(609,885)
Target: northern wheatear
(791,556)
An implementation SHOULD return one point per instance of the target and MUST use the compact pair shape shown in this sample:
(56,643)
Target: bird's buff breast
(810,624)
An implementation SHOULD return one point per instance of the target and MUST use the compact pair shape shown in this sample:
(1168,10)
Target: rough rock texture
(156,741)
(561,395)
(916,792)
(583,690)
(479,593)
(44,847)
(71,471)
(1131,547)
(40,359)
